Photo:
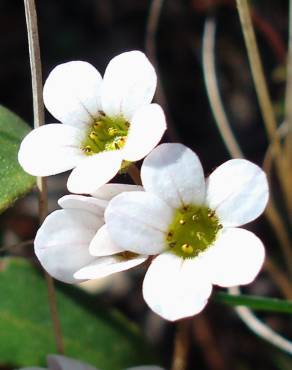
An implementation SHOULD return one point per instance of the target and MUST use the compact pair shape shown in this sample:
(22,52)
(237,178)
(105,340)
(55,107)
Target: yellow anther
(211,213)
(187,248)
(97,124)
(87,149)
(93,135)
(182,222)
(112,131)
(195,217)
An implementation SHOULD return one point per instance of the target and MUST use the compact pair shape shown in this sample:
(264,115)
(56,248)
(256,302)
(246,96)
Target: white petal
(72,93)
(175,288)
(50,149)
(137,222)
(236,258)
(89,204)
(102,245)
(62,242)
(146,129)
(238,191)
(108,191)
(129,83)
(175,174)
(58,362)
(105,266)
(94,171)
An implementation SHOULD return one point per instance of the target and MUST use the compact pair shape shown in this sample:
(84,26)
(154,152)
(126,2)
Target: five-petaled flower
(192,225)
(107,122)
(73,243)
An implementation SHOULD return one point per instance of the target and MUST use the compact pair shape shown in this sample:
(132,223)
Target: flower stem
(134,173)
(181,345)
(288,107)
(38,111)
(213,92)
(151,51)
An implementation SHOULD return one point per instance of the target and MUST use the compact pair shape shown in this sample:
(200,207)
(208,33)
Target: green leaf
(254,302)
(103,338)
(14,182)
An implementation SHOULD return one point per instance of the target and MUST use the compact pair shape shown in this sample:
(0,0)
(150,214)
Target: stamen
(192,231)
(187,248)
(106,134)
(97,124)
(112,131)
(211,213)
(93,135)
(87,149)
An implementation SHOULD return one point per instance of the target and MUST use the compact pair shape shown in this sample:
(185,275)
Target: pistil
(193,230)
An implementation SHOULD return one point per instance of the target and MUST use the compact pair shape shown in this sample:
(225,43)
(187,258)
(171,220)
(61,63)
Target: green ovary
(193,230)
(106,133)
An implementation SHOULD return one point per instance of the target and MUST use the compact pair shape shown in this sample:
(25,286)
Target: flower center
(193,230)
(106,133)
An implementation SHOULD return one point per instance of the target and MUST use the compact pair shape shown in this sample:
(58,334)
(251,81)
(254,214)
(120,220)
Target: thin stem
(22,244)
(288,106)
(213,92)
(134,173)
(207,341)
(279,278)
(259,328)
(151,52)
(271,211)
(38,111)
(261,88)
(181,345)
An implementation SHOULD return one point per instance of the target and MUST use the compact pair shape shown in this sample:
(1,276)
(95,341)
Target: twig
(288,100)
(259,328)
(151,52)
(279,278)
(262,89)
(22,244)
(38,110)
(271,211)
(181,345)
(213,90)
(205,338)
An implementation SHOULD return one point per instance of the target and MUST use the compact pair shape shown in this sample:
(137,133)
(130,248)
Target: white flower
(58,362)
(73,243)
(106,122)
(193,227)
